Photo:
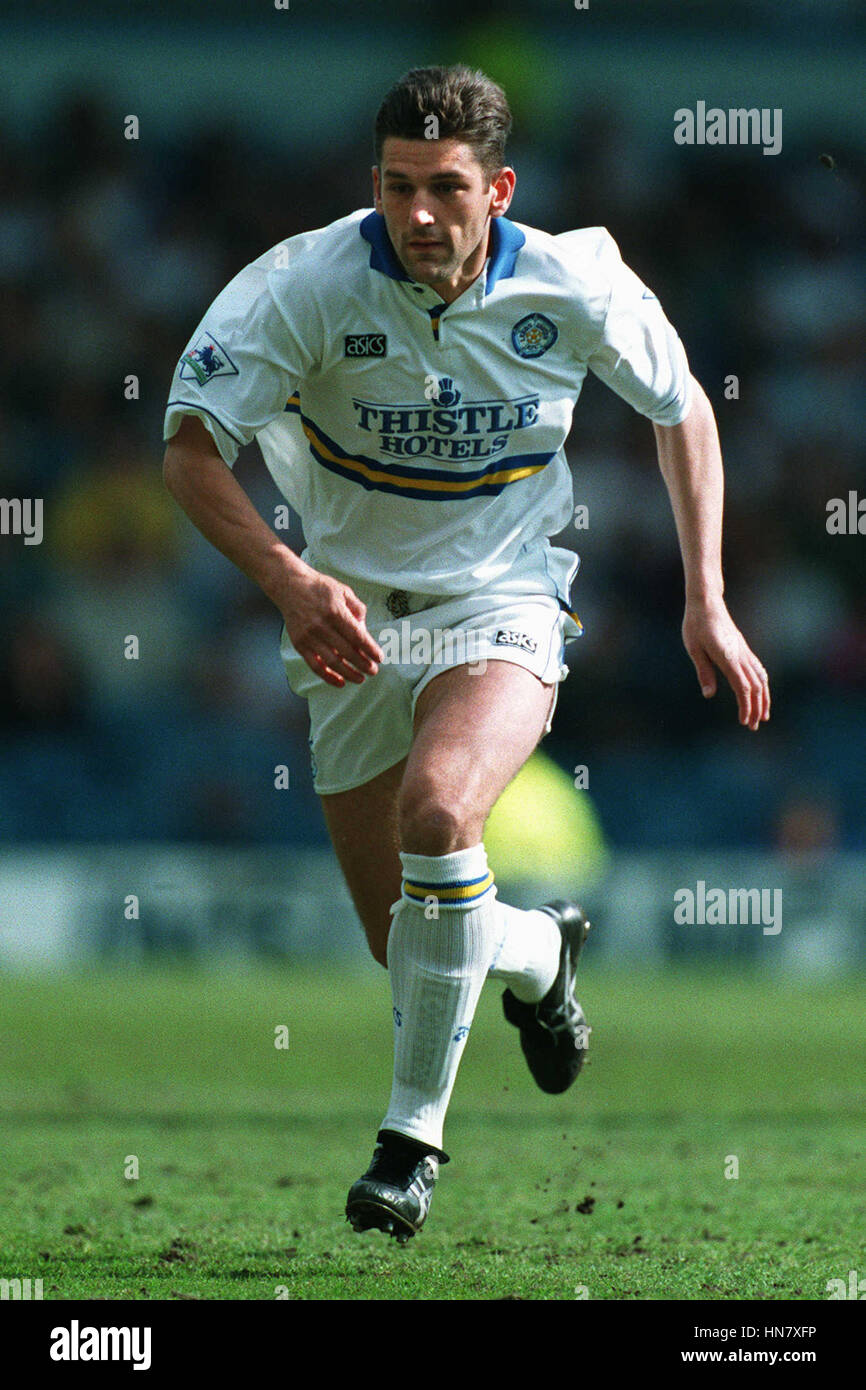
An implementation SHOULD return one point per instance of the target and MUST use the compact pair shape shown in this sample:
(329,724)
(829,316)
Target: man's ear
(502,188)
(377,189)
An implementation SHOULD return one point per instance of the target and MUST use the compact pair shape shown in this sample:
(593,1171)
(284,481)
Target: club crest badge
(206,360)
(533,335)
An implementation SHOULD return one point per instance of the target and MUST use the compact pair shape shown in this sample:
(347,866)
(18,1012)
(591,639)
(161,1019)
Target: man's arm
(690,460)
(324,618)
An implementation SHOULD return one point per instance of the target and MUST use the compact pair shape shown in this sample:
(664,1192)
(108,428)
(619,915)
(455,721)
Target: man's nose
(419,213)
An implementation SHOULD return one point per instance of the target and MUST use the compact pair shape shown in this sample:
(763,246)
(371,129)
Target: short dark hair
(467,104)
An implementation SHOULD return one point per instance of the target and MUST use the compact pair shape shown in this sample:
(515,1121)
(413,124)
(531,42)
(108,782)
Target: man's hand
(712,639)
(325,621)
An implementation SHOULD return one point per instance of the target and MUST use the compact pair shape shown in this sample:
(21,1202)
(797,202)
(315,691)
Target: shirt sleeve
(640,355)
(246,358)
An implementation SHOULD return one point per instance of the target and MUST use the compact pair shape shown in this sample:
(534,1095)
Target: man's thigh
(473,733)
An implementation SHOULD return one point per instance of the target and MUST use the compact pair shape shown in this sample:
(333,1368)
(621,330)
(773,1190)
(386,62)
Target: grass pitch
(621,1189)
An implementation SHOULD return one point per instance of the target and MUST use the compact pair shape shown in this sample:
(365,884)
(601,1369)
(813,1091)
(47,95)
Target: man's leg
(364,828)
(472,735)
(473,732)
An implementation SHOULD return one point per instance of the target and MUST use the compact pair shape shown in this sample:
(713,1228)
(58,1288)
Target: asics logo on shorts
(506,637)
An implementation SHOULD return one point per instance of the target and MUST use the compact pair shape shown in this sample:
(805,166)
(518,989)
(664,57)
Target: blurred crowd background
(110,251)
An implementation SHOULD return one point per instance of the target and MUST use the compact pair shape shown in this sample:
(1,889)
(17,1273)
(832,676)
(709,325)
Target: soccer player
(410,373)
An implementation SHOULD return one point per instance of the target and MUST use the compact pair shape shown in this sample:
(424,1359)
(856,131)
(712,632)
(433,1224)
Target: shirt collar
(506,239)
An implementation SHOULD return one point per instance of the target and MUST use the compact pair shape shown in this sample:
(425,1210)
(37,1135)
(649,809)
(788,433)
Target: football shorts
(358,731)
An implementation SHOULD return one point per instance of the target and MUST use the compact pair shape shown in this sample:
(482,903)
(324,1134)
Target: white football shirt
(422,443)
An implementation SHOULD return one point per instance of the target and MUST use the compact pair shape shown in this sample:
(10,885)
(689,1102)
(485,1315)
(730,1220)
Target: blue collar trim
(382,254)
(506,241)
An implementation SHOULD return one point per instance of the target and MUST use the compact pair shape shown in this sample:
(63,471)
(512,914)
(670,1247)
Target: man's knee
(435,822)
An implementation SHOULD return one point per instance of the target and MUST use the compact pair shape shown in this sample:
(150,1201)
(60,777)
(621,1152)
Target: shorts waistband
(400,603)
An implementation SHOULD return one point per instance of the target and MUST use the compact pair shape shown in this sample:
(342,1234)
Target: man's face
(436,200)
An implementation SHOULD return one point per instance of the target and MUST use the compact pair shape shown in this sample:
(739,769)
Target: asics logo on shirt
(366,344)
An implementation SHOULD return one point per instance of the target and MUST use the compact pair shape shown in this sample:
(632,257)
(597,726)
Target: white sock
(443,935)
(527,957)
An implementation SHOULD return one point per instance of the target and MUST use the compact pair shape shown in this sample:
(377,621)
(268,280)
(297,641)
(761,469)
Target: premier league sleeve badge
(206,360)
